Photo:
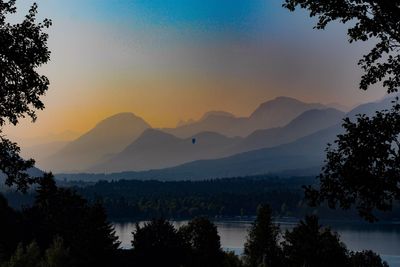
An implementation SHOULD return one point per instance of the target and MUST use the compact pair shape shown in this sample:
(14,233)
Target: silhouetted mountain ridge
(273,113)
(281,110)
(109,136)
(125,142)
(304,155)
(156,149)
(307,123)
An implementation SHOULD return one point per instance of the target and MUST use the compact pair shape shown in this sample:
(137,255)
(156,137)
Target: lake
(381,238)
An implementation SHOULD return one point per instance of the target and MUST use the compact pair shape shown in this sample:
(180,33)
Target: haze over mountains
(126,143)
(306,123)
(155,149)
(64,136)
(41,152)
(106,138)
(301,157)
(110,145)
(274,113)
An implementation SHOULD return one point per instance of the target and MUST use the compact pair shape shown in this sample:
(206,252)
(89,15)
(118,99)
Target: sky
(171,60)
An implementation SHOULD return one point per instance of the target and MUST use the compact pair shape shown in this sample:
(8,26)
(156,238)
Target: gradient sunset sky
(167,60)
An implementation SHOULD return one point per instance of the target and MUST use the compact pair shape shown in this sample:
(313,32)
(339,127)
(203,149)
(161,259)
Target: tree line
(218,198)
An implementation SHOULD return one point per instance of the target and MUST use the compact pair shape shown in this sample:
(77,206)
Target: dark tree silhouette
(25,256)
(378,20)
(202,235)
(31,256)
(261,247)
(23,48)
(158,243)
(232,260)
(60,212)
(10,226)
(308,244)
(57,255)
(363,167)
(366,259)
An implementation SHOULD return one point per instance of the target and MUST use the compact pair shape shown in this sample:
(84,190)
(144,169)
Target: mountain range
(301,157)
(127,145)
(121,142)
(274,113)
(155,149)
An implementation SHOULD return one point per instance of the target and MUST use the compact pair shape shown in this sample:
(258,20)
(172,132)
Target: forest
(217,199)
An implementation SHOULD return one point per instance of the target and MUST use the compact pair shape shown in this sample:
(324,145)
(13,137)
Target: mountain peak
(120,119)
(284,100)
(317,117)
(281,110)
(217,113)
(109,136)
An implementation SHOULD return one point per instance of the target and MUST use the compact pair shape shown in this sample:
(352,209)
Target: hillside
(107,138)
(307,123)
(155,149)
(274,113)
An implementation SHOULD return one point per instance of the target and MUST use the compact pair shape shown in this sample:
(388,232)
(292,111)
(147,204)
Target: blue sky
(207,14)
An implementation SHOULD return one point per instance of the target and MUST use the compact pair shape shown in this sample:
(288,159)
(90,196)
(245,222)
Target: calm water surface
(381,238)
